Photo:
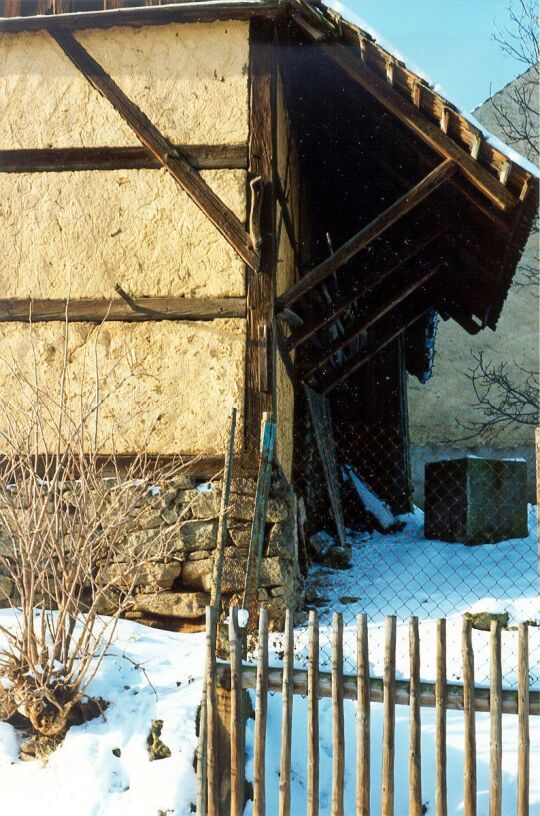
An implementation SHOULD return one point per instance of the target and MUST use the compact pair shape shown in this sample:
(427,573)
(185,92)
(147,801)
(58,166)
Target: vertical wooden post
(286,718)
(237,717)
(215,594)
(441,807)
(415,729)
(259,382)
(495,708)
(212,803)
(202,764)
(389,718)
(268,443)
(338,720)
(523,721)
(469,720)
(313,717)
(362,718)
(261,710)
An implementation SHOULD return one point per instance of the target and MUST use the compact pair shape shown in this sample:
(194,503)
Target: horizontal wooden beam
(423,127)
(97,310)
(180,169)
(194,12)
(365,236)
(363,324)
(454,698)
(359,360)
(55,160)
(363,285)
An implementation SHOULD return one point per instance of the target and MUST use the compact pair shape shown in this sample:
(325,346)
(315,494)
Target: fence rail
(440,695)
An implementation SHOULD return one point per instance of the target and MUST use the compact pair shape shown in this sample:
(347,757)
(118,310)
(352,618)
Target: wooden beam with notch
(363,357)
(61,159)
(259,382)
(426,130)
(97,310)
(370,320)
(365,236)
(366,284)
(165,152)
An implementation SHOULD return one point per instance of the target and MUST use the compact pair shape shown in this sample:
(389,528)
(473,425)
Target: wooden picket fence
(236,677)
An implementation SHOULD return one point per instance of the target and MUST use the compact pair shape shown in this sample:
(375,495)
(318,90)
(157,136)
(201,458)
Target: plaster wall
(165,387)
(190,79)
(77,234)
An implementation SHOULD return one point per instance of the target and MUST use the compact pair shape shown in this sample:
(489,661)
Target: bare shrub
(66,503)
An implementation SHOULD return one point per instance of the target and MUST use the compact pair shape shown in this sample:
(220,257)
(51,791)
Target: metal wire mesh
(471,549)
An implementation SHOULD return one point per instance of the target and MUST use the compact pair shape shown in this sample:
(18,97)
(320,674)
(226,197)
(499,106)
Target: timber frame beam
(365,236)
(60,159)
(95,310)
(164,151)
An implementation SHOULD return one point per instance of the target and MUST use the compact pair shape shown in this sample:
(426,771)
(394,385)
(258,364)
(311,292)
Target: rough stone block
(475,500)
(198,575)
(172,604)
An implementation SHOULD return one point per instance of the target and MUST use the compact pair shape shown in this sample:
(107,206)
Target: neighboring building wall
(434,408)
(77,234)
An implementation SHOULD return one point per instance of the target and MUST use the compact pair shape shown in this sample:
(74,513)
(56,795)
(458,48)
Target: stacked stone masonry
(173,591)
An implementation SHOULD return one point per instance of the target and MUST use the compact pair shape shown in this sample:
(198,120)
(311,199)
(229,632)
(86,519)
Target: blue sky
(449,40)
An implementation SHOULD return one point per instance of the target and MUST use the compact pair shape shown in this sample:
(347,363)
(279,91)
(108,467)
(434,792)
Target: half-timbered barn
(258,202)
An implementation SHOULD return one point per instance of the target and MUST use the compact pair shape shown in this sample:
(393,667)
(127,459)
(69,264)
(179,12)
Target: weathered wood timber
(368,234)
(364,285)
(73,159)
(260,284)
(199,12)
(368,322)
(180,169)
(428,131)
(362,358)
(98,310)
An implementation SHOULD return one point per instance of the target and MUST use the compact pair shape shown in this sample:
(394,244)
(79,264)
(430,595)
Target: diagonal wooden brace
(165,152)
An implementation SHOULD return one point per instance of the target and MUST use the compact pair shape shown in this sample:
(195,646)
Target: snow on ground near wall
(404,574)
(83,777)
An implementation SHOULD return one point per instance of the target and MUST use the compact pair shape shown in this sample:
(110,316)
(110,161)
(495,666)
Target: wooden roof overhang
(447,219)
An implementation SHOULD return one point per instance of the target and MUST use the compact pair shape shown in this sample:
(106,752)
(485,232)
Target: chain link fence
(472,548)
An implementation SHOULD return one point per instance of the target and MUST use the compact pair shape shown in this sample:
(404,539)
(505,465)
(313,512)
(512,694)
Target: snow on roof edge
(491,139)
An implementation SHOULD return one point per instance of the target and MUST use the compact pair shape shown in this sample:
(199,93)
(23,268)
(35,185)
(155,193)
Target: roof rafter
(419,124)
(371,280)
(165,152)
(365,236)
(363,357)
(370,320)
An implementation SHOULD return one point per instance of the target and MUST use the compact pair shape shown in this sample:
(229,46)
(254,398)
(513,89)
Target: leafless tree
(517,111)
(506,396)
(66,504)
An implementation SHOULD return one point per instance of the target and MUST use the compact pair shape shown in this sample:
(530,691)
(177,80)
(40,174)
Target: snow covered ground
(84,777)
(103,768)
(404,574)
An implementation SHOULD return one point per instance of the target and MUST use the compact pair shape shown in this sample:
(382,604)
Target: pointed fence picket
(338,686)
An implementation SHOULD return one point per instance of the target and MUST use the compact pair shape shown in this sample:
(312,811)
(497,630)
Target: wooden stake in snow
(469,803)
(268,443)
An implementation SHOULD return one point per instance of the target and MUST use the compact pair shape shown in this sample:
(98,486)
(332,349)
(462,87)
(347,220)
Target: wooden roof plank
(428,131)
(365,236)
(180,169)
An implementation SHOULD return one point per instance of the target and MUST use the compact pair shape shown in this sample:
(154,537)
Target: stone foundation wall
(173,592)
